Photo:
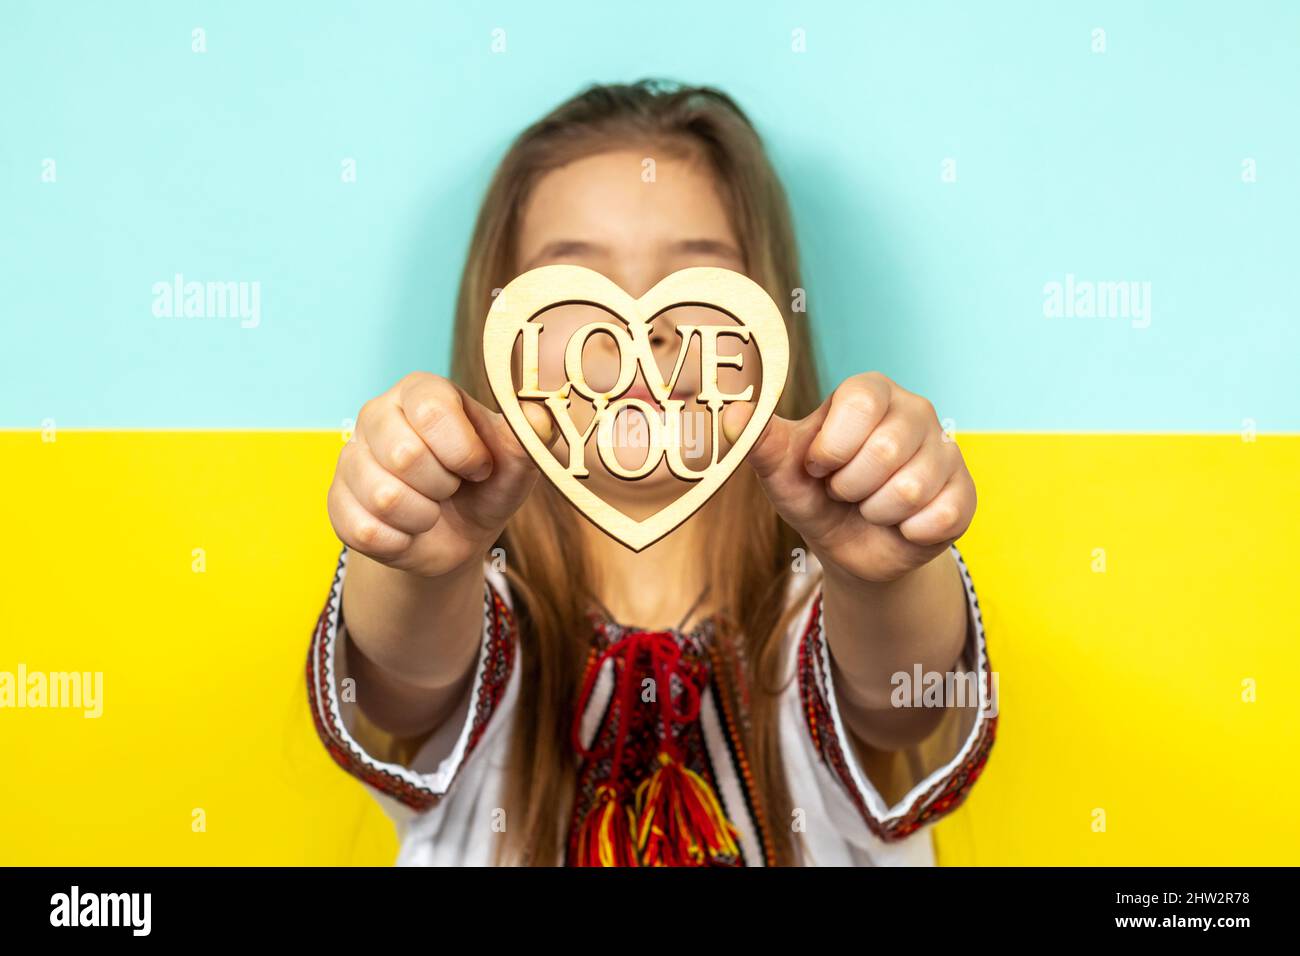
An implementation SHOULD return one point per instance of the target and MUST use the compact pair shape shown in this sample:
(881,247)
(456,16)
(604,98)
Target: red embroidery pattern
(702,666)
(732,727)
(502,638)
(497,662)
(642,727)
(944,796)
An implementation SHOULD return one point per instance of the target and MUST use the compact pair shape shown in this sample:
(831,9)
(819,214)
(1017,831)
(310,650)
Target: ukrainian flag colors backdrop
(964,179)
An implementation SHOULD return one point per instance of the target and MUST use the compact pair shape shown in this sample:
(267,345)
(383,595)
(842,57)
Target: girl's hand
(430,477)
(869,479)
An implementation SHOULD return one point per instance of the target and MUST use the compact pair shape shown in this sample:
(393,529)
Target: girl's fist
(430,476)
(869,479)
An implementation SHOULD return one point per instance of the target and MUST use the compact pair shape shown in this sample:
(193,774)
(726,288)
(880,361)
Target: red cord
(665,660)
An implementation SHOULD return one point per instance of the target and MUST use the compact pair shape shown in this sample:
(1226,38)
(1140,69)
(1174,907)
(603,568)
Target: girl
(516,687)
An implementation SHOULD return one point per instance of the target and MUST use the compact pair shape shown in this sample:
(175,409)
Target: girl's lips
(639,391)
(643,393)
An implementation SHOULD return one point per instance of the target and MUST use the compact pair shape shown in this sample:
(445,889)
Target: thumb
(511,461)
(770,450)
(494,500)
(777,458)
(540,419)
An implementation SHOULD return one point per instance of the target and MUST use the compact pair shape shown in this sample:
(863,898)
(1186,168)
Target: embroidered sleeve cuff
(333,713)
(936,793)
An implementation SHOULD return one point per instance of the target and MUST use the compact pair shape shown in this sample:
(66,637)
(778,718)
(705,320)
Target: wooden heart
(545,288)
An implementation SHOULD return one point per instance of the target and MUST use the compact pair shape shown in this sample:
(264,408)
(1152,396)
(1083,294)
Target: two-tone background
(966,180)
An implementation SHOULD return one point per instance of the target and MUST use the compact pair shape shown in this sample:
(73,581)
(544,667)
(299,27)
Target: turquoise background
(226,166)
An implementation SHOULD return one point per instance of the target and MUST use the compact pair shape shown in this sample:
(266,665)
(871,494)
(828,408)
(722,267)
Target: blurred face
(600,213)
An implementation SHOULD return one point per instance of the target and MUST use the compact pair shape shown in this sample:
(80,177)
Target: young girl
(516,687)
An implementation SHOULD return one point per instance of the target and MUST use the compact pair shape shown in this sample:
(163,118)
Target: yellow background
(1121,691)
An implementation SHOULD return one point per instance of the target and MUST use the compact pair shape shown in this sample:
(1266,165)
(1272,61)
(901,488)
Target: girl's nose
(663,331)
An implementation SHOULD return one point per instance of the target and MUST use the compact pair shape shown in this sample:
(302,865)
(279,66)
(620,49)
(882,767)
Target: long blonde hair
(748,569)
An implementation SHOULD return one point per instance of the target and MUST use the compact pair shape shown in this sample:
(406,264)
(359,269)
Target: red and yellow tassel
(605,837)
(680,821)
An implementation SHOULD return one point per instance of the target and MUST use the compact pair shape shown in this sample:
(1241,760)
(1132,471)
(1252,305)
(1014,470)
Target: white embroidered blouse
(446,801)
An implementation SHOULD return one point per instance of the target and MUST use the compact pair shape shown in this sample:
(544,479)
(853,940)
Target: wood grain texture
(541,289)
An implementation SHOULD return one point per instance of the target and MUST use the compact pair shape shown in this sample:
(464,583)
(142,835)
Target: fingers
(914,485)
(901,467)
(947,517)
(436,410)
(868,471)
(856,408)
(383,494)
(400,451)
(362,531)
(426,456)
(889,446)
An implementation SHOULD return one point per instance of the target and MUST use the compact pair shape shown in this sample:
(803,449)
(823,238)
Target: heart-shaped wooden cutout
(545,288)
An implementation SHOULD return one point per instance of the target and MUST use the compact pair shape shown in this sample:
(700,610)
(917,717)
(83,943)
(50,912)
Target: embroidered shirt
(444,799)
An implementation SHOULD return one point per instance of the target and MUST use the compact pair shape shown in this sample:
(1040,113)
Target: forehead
(623,198)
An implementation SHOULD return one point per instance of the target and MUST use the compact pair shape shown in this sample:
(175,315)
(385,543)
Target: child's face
(602,213)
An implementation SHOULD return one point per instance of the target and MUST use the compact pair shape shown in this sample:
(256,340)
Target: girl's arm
(412,642)
(878,630)
(879,492)
(419,495)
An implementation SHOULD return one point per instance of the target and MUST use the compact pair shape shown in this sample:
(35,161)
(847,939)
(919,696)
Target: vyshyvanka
(664,781)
